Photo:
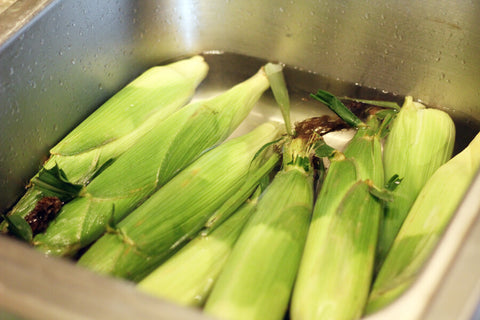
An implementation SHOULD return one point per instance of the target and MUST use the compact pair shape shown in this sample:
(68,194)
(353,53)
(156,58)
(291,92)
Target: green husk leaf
(338,107)
(393,182)
(49,182)
(55,181)
(378,103)
(279,88)
(322,149)
(267,145)
(111,226)
(387,117)
(18,227)
(25,205)
(366,153)
(99,170)
(381,194)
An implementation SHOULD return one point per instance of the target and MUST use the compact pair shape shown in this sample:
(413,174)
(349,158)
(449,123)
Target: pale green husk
(188,276)
(179,210)
(155,159)
(420,141)
(258,276)
(424,225)
(127,116)
(337,264)
(280,92)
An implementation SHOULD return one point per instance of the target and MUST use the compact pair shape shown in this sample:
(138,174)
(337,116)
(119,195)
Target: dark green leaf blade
(378,103)
(18,227)
(338,107)
(54,180)
(322,149)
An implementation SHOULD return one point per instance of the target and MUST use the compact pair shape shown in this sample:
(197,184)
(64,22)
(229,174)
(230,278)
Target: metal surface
(4,4)
(15,14)
(51,288)
(458,294)
(59,60)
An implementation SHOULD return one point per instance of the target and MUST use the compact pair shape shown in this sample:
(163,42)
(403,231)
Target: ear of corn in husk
(424,225)
(258,276)
(179,210)
(419,142)
(128,115)
(115,127)
(150,163)
(337,264)
(188,276)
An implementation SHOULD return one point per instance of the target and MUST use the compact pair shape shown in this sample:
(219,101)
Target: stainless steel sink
(60,59)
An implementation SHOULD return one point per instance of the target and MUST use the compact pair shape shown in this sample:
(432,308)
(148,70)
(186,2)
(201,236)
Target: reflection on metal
(4,4)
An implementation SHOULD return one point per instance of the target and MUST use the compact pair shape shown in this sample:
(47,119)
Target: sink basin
(59,60)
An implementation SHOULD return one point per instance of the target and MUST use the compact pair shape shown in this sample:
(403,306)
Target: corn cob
(116,126)
(424,225)
(145,167)
(187,277)
(176,212)
(419,142)
(337,264)
(258,276)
